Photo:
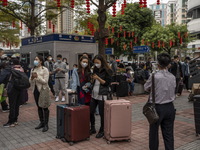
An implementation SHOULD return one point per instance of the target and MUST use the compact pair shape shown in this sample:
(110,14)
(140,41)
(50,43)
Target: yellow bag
(3,93)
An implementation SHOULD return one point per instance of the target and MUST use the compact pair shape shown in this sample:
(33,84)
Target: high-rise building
(193,24)
(64,23)
(171,12)
(159,12)
(181,11)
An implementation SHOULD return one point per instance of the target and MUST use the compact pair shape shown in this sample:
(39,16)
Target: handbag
(3,94)
(149,109)
(44,98)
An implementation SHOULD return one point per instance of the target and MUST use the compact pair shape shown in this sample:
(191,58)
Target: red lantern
(13,24)
(53,28)
(72,4)
(88,6)
(113,30)
(133,34)
(129,34)
(158,43)
(5,2)
(152,45)
(124,34)
(120,28)
(122,10)
(181,40)
(124,3)
(58,3)
(49,24)
(158,2)
(135,41)
(112,41)
(106,41)
(145,3)
(170,43)
(114,10)
(131,44)
(179,35)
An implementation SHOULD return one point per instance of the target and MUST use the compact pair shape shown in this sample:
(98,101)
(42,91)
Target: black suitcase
(197,113)
(122,89)
(60,120)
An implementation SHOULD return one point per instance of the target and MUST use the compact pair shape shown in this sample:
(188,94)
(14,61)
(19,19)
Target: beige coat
(42,80)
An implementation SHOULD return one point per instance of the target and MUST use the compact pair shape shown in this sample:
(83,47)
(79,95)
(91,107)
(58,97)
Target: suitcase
(122,89)
(60,120)
(197,113)
(117,120)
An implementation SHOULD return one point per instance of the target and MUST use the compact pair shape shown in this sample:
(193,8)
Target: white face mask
(84,65)
(50,59)
(98,65)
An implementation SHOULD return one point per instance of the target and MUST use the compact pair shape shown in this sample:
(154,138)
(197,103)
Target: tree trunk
(32,20)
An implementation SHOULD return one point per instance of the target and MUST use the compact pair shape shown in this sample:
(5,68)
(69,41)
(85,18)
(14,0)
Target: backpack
(19,80)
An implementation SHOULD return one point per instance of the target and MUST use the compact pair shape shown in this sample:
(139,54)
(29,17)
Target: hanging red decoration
(21,25)
(129,34)
(114,10)
(135,41)
(158,2)
(13,24)
(158,43)
(133,34)
(72,3)
(53,29)
(170,43)
(145,3)
(179,35)
(124,34)
(131,44)
(49,24)
(88,6)
(122,10)
(181,40)
(113,30)
(5,2)
(163,44)
(112,41)
(124,3)
(141,3)
(106,41)
(58,3)
(152,45)
(120,28)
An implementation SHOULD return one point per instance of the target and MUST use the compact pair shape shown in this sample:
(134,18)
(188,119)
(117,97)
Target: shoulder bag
(44,98)
(149,110)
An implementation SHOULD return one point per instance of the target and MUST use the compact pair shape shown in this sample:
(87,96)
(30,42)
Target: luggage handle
(74,98)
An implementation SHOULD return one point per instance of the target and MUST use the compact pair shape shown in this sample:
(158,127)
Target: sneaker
(16,123)
(5,110)
(57,99)
(63,99)
(7,125)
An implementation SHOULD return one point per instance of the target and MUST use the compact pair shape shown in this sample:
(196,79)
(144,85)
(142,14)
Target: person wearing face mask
(102,76)
(49,65)
(38,80)
(81,81)
(60,69)
(67,73)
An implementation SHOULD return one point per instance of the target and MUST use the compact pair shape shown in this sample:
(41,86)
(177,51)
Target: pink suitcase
(117,120)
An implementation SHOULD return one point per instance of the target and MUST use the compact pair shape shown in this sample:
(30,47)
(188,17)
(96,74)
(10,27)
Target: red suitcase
(77,123)
(117,120)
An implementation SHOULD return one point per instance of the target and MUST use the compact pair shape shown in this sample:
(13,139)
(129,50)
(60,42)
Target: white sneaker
(57,99)
(63,99)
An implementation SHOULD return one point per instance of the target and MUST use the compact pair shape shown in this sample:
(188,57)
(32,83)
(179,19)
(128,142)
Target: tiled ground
(25,137)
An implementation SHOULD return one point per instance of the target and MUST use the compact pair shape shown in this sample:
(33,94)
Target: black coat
(107,77)
(174,67)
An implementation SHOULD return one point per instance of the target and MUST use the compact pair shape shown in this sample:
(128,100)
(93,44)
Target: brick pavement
(25,137)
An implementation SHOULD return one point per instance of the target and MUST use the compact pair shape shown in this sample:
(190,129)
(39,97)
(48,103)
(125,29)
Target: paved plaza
(25,137)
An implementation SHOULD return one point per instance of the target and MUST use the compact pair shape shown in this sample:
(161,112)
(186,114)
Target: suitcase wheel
(71,143)
(63,140)
(108,142)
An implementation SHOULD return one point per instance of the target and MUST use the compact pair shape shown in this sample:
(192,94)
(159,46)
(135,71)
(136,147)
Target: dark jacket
(4,78)
(104,75)
(174,67)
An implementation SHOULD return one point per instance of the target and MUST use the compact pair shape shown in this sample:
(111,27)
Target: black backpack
(19,80)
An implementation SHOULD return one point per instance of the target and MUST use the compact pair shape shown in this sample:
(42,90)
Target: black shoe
(5,110)
(7,125)
(100,135)
(93,131)
(41,125)
(45,129)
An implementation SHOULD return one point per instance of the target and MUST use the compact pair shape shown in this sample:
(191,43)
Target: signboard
(141,49)
(57,37)
(109,51)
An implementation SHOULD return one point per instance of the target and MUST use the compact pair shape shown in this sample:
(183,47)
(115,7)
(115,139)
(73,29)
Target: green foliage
(137,20)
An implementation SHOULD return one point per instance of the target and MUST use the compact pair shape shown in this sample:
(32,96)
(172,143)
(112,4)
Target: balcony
(193,26)
(192,4)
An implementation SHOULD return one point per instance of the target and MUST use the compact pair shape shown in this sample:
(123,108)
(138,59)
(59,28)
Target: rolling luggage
(73,121)
(197,113)
(117,120)
(122,89)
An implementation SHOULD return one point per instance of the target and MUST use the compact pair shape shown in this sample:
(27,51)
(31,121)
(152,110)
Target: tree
(9,31)
(33,13)
(166,38)
(129,28)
